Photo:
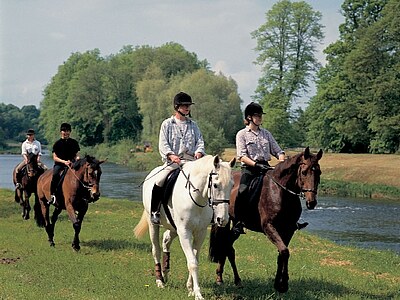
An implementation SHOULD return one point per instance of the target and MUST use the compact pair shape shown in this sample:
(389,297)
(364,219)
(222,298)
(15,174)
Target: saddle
(169,185)
(254,190)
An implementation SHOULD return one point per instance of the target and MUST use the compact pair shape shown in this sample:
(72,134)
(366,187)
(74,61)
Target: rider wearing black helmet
(180,140)
(254,147)
(65,152)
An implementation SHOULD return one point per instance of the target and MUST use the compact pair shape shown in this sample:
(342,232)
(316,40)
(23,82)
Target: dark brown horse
(275,213)
(81,185)
(28,176)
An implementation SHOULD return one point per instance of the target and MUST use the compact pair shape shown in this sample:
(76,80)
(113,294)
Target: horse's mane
(82,161)
(206,165)
(286,166)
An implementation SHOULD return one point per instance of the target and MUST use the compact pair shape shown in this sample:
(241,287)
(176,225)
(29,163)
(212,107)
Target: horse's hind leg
(168,237)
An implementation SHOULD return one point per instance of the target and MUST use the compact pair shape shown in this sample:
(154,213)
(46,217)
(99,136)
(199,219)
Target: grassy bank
(112,264)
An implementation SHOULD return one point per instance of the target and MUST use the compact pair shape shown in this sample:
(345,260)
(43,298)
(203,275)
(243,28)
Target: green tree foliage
(15,121)
(126,96)
(216,109)
(286,44)
(356,108)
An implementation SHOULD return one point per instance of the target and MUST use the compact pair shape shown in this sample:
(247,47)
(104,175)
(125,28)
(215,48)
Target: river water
(366,223)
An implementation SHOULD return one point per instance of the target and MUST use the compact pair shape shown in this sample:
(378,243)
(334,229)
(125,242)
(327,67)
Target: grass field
(112,264)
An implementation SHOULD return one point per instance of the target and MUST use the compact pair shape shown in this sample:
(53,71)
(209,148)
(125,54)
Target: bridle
(301,195)
(211,201)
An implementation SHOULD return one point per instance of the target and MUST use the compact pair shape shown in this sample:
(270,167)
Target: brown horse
(29,175)
(275,213)
(80,186)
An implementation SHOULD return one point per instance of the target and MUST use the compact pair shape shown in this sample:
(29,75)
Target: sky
(36,37)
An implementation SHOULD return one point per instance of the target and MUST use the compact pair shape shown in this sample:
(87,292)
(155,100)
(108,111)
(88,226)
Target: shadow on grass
(298,290)
(113,244)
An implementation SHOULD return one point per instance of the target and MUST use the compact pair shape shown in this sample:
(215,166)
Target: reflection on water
(365,223)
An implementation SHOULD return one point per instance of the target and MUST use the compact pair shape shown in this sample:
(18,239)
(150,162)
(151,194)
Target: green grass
(112,264)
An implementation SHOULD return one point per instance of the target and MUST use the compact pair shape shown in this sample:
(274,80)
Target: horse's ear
(103,161)
(319,154)
(307,153)
(216,161)
(232,162)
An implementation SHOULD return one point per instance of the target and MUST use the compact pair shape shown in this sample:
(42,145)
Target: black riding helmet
(182,99)
(252,109)
(65,127)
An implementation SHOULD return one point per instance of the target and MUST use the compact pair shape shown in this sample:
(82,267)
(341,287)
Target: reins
(210,200)
(302,191)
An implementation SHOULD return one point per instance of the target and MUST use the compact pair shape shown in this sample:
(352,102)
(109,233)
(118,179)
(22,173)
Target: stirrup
(18,185)
(301,225)
(53,200)
(155,218)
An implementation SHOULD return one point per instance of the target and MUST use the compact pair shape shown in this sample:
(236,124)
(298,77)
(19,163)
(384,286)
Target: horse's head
(219,188)
(308,176)
(32,167)
(92,176)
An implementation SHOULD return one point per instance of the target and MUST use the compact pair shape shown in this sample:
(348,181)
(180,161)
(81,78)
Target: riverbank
(113,264)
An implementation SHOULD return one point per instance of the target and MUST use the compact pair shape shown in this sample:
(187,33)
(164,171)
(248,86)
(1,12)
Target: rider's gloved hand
(261,167)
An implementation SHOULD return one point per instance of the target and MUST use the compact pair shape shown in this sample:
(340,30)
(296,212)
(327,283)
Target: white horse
(202,189)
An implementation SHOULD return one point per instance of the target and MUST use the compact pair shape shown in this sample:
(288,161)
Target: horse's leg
(154,232)
(168,237)
(27,206)
(282,275)
(76,219)
(191,245)
(50,224)
(232,261)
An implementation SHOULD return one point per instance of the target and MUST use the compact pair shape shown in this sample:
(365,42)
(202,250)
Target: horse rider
(30,145)
(65,153)
(180,140)
(254,147)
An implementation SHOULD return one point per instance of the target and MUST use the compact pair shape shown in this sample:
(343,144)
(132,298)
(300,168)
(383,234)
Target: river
(366,223)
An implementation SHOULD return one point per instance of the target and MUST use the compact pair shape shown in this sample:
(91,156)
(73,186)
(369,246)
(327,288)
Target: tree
(286,44)
(356,108)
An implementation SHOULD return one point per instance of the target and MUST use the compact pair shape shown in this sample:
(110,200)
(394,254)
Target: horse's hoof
(239,284)
(159,283)
(52,244)
(281,287)
(76,248)
(219,282)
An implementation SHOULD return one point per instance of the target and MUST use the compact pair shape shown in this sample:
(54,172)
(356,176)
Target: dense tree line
(127,96)
(357,105)
(15,121)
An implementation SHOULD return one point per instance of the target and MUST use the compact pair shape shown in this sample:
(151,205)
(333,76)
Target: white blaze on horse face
(220,194)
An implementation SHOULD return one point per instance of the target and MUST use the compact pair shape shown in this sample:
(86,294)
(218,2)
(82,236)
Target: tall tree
(286,44)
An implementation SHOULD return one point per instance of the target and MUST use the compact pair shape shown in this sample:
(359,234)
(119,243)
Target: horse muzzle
(311,198)
(94,194)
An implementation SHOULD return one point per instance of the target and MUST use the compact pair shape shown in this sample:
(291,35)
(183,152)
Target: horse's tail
(220,241)
(142,227)
(38,213)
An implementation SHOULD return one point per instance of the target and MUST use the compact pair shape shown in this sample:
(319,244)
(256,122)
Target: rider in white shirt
(180,140)
(30,145)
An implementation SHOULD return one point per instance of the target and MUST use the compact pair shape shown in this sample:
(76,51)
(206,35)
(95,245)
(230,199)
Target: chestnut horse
(274,214)
(29,175)
(81,186)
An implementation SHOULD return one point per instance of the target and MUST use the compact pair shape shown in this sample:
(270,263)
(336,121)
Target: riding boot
(156,199)
(237,229)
